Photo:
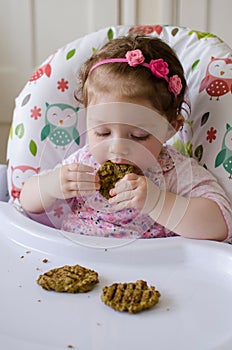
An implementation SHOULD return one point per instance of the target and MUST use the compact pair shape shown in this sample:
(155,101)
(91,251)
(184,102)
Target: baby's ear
(174,126)
(178,122)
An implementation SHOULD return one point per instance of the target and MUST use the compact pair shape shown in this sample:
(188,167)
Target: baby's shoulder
(186,166)
(178,158)
(173,153)
(169,158)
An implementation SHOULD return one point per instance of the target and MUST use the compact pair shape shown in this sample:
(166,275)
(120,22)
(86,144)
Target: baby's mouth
(137,170)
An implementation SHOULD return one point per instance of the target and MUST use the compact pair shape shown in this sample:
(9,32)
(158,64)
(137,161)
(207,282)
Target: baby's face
(125,132)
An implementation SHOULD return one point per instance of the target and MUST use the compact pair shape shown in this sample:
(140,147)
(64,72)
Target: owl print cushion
(48,125)
(207,132)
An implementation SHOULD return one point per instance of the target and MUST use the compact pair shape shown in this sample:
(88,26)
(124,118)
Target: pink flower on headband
(175,85)
(159,68)
(135,57)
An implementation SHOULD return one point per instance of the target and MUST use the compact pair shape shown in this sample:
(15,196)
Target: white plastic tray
(193,277)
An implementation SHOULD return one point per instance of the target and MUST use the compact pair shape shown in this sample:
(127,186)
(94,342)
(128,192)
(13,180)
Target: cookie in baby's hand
(110,173)
(132,297)
(70,279)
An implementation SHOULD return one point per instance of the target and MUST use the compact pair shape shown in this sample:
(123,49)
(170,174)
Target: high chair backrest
(41,134)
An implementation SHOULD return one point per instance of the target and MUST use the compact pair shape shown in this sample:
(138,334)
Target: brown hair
(133,82)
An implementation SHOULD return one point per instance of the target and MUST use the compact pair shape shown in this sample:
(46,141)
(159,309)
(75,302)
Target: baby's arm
(67,181)
(192,217)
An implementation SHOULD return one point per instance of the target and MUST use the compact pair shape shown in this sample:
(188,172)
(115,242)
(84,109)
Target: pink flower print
(62,85)
(134,57)
(211,135)
(175,84)
(58,212)
(35,112)
(159,68)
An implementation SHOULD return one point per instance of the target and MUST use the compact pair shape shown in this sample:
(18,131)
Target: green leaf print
(70,54)
(11,132)
(204,35)
(189,148)
(110,34)
(19,130)
(183,148)
(33,148)
(199,152)
(195,64)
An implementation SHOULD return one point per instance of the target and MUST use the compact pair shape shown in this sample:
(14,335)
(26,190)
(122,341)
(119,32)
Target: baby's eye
(140,138)
(102,134)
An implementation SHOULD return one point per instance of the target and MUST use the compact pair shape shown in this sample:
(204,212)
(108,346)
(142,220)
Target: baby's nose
(119,147)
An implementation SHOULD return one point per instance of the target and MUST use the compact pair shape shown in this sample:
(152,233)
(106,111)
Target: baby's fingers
(128,183)
(78,172)
(79,167)
(122,197)
(78,179)
(81,187)
(82,177)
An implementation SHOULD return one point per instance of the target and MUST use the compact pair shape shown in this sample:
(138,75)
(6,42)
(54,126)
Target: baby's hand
(135,191)
(72,180)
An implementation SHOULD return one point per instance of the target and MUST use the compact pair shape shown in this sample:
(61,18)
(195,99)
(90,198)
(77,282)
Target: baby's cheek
(99,152)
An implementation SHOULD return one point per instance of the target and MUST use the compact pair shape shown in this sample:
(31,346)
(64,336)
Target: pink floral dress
(93,215)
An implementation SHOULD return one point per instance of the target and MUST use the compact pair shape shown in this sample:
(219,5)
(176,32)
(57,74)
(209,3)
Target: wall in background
(31,29)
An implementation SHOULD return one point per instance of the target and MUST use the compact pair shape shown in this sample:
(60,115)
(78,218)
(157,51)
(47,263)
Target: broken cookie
(110,173)
(70,279)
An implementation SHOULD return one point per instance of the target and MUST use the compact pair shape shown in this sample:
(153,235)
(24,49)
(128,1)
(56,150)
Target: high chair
(36,319)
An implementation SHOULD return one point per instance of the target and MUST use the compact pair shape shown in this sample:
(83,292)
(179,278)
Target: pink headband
(158,67)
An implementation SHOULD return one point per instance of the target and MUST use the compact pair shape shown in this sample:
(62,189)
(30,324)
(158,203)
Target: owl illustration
(19,174)
(61,122)
(224,157)
(218,79)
